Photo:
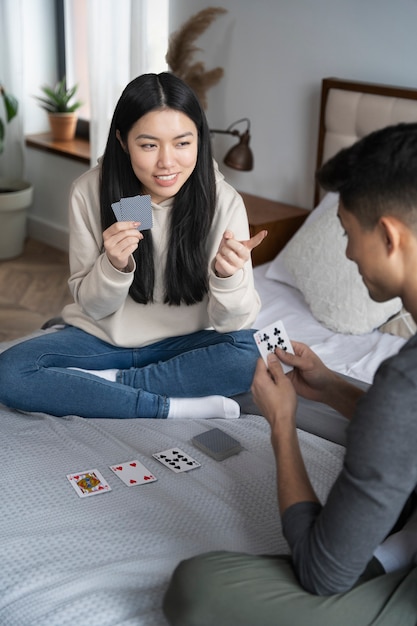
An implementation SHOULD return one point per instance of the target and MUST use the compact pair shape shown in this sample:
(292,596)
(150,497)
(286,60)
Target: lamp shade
(240,157)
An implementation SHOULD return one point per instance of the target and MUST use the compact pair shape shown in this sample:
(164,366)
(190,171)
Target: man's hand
(274,393)
(310,377)
(314,381)
(233,254)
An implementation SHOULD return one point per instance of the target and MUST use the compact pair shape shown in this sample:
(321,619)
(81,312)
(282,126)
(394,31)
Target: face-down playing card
(176,460)
(88,483)
(271,337)
(117,211)
(217,444)
(134,209)
(133,473)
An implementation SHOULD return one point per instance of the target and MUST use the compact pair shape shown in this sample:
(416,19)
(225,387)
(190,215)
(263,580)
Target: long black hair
(186,274)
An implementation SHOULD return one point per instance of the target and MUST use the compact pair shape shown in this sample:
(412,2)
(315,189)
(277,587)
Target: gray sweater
(331,545)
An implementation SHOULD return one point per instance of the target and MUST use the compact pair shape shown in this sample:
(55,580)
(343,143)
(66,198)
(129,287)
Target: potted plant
(15,194)
(59,104)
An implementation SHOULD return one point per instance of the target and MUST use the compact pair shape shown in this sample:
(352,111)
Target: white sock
(400,549)
(206,407)
(107,374)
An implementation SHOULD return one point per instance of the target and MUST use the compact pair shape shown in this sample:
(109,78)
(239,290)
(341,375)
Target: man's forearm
(342,396)
(292,478)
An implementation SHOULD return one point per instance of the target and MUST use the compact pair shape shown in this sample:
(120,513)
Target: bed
(106,560)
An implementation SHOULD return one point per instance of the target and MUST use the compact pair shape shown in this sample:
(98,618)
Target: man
(342,569)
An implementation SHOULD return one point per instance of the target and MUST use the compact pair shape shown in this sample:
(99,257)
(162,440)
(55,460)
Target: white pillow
(330,282)
(277,269)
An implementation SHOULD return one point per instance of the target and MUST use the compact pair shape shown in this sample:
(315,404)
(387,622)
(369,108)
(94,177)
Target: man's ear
(392,230)
(119,138)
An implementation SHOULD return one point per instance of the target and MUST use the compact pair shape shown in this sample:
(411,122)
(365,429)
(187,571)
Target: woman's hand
(233,254)
(120,241)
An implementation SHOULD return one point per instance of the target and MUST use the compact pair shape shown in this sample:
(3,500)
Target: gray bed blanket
(106,560)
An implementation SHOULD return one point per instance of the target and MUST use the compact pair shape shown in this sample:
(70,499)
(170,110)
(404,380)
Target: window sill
(78,149)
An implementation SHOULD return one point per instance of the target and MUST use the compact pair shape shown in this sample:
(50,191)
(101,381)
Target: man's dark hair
(377,175)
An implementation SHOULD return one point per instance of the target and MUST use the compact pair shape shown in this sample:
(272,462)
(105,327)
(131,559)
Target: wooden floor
(33,289)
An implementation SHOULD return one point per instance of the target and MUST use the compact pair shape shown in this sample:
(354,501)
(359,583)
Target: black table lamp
(240,156)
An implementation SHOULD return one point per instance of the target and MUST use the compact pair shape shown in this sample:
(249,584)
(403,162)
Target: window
(72,42)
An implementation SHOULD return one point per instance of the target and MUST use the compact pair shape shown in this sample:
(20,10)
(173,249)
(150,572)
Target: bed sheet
(356,356)
(106,560)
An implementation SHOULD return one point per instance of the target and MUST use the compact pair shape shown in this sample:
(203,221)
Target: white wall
(274,53)
(51,177)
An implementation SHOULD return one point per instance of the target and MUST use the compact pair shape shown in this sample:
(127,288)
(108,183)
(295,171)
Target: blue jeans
(34,374)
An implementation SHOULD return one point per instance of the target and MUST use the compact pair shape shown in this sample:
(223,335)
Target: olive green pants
(232,589)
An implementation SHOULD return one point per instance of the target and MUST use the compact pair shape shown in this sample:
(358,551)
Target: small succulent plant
(58,99)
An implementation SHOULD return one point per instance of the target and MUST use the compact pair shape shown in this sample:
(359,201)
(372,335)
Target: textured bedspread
(106,560)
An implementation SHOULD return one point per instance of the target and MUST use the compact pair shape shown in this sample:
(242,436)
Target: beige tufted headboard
(350,110)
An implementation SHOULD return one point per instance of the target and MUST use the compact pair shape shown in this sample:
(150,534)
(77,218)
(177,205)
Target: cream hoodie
(102,304)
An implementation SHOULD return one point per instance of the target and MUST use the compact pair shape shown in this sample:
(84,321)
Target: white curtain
(11,76)
(121,40)
(117,39)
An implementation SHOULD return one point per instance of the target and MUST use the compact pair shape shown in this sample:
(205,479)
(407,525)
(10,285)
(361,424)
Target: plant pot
(15,198)
(63,125)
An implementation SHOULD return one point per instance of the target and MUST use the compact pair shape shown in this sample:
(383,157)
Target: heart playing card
(133,473)
(89,483)
(176,460)
(271,337)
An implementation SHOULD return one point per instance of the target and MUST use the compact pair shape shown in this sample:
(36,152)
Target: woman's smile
(163,147)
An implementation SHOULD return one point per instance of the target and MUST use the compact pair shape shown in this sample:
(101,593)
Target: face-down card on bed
(217,444)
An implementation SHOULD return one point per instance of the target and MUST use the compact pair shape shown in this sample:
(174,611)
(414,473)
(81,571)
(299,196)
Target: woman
(160,318)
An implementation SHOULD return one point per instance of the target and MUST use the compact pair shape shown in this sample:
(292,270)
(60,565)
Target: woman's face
(162,146)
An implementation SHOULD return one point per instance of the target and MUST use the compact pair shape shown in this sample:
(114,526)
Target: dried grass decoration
(181,49)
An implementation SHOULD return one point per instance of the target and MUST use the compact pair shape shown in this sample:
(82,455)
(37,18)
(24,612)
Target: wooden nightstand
(279,219)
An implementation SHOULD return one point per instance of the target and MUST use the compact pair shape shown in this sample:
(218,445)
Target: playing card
(117,211)
(133,473)
(217,444)
(177,460)
(271,337)
(88,483)
(137,209)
